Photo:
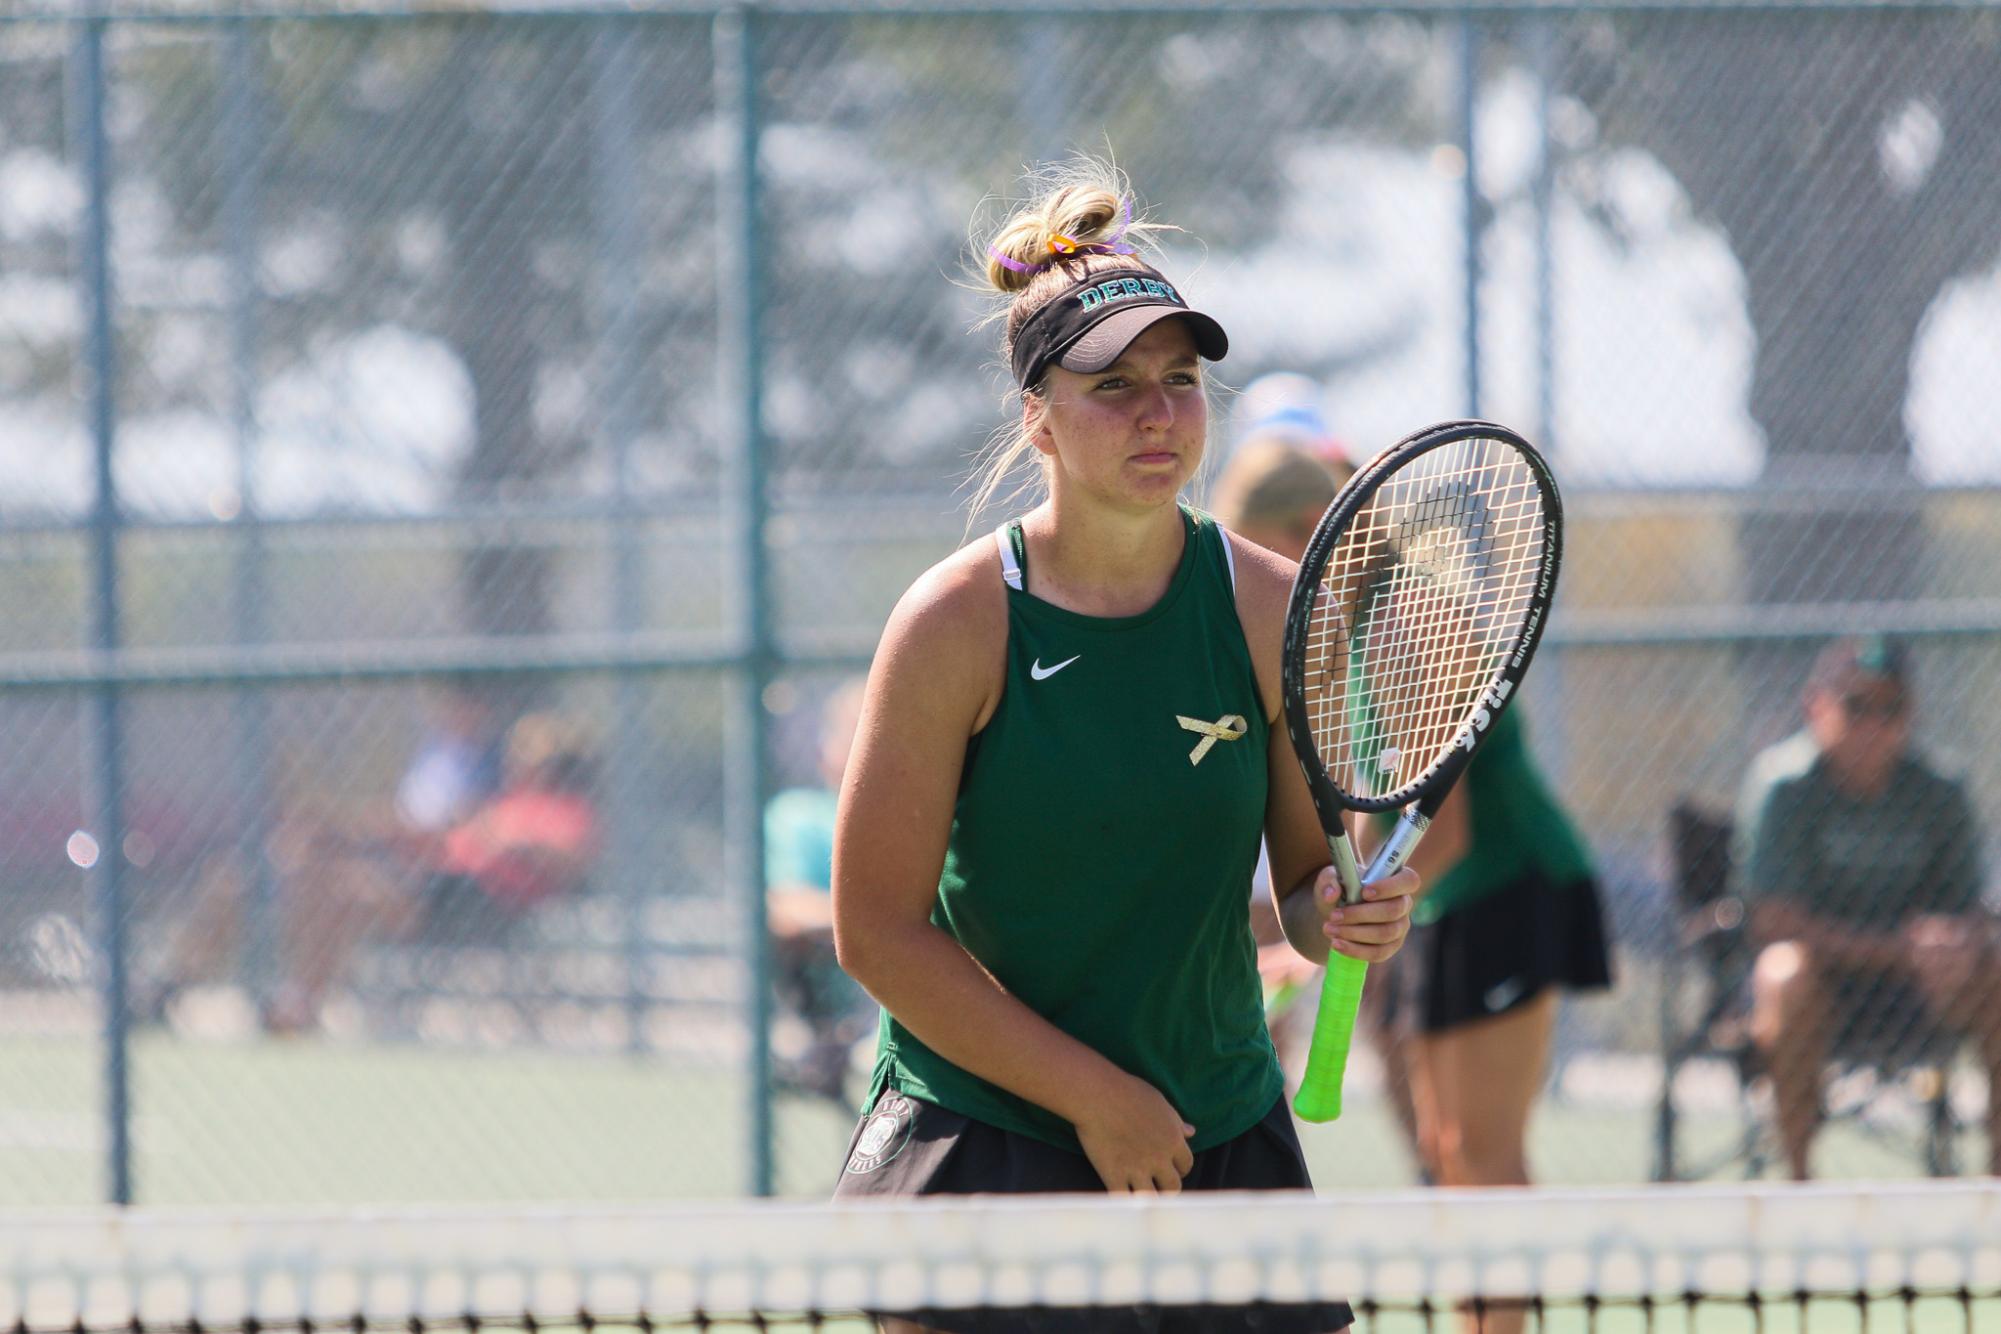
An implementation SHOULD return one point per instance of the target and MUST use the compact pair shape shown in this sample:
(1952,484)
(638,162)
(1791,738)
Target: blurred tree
(1854,159)
(438,174)
(447,173)
(40,313)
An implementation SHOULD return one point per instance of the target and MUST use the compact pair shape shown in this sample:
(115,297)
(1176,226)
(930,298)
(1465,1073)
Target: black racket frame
(1430,786)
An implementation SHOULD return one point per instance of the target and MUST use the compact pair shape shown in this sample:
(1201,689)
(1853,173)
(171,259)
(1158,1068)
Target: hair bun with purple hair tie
(1063,247)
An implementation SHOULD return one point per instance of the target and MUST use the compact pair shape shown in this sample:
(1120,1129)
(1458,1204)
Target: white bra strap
(1010,567)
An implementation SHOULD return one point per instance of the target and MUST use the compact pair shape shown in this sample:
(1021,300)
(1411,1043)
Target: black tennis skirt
(1497,954)
(905,1146)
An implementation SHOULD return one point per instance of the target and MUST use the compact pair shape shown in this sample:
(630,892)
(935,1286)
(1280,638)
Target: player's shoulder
(957,607)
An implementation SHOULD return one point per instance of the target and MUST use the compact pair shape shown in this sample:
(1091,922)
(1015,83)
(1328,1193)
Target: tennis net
(1917,1258)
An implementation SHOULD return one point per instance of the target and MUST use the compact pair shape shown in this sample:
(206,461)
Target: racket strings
(1433,641)
(1422,601)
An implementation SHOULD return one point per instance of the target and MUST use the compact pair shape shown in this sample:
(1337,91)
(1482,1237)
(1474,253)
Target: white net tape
(147,1269)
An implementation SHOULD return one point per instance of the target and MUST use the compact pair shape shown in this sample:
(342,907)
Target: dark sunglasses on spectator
(1882,708)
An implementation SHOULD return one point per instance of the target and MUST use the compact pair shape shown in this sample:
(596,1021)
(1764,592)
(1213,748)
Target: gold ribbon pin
(1229,727)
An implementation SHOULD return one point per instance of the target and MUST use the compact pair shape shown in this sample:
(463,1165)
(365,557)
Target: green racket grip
(1319,1097)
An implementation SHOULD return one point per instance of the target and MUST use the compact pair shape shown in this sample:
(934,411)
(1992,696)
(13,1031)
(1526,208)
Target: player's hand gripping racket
(1418,604)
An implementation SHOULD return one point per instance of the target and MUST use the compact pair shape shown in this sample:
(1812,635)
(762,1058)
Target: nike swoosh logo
(1499,997)
(1040,673)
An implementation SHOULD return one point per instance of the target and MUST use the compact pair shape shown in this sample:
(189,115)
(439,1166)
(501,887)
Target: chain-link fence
(413,426)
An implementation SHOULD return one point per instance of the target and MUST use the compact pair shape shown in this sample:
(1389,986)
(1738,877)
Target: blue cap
(1284,404)
(1878,655)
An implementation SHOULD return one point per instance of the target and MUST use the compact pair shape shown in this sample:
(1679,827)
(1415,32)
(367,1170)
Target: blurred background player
(1510,917)
(1283,470)
(1861,863)
(529,843)
(799,875)
(1510,914)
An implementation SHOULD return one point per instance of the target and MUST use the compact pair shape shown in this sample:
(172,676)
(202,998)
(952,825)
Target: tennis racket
(1418,605)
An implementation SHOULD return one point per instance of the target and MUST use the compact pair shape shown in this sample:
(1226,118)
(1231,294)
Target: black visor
(1090,323)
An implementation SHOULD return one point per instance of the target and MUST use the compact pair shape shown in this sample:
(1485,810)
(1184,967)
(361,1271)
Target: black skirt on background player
(1496,954)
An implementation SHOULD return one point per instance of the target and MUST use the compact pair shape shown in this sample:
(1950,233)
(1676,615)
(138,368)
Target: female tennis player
(1066,759)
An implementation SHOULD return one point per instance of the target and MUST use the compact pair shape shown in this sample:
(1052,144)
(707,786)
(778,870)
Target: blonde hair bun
(1081,219)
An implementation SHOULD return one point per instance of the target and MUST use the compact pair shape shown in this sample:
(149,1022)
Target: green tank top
(1106,828)
(1517,827)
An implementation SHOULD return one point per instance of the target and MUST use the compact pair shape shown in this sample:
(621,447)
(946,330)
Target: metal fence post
(1542,46)
(240,128)
(104,730)
(1473,220)
(1552,726)
(615,165)
(738,217)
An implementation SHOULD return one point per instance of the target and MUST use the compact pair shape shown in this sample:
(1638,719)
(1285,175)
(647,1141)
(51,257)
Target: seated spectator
(532,841)
(452,864)
(1861,865)
(454,766)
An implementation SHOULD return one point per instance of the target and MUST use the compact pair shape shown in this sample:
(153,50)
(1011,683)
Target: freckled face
(1132,434)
